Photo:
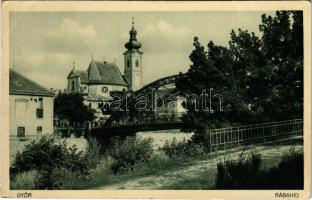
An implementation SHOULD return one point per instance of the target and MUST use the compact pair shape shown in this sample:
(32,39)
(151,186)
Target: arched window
(73,85)
(128,63)
(137,63)
(104,89)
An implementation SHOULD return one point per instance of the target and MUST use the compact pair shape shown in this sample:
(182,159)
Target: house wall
(23,114)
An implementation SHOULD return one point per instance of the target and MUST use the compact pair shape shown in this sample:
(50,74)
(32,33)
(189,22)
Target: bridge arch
(164,86)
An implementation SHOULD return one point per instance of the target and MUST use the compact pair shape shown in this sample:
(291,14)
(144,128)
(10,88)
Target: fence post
(210,143)
(224,135)
(263,134)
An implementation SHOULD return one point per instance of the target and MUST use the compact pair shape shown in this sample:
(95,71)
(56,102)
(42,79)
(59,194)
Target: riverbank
(201,173)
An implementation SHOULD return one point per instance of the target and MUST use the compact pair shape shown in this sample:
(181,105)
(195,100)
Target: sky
(44,45)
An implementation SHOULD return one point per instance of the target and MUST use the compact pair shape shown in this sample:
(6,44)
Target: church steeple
(133,42)
(133,61)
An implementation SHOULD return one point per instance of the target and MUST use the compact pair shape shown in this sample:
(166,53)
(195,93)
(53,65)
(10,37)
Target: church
(102,77)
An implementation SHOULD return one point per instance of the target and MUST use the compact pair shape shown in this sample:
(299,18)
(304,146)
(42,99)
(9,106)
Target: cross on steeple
(74,65)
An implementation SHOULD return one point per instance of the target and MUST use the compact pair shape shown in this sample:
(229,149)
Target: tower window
(137,63)
(128,63)
(73,86)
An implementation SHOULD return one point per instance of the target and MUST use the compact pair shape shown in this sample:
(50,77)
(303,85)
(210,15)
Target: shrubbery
(239,173)
(129,153)
(247,174)
(49,164)
(51,160)
(182,148)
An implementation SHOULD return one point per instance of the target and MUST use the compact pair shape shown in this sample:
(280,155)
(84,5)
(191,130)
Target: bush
(93,153)
(130,152)
(288,174)
(183,148)
(247,174)
(240,173)
(49,158)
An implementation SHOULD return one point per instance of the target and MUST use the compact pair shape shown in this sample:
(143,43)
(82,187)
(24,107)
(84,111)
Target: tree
(71,107)
(283,51)
(259,78)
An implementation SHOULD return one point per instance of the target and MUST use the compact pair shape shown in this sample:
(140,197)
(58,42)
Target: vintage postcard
(165,100)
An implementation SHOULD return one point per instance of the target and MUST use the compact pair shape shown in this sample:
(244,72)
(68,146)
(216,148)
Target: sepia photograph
(157,100)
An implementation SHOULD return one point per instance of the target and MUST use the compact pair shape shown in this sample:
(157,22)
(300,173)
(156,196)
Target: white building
(133,71)
(96,83)
(102,77)
(31,107)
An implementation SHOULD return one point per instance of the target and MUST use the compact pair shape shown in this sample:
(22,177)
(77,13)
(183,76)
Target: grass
(246,173)
(103,176)
(100,172)
(24,181)
(203,181)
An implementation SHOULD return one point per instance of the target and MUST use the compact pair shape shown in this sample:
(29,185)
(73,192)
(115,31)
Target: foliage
(240,173)
(129,153)
(247,174)
(70,107)
(47,157)
(259,78)
(182,149)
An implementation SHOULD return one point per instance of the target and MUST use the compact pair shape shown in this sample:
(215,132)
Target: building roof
(104,73)
(99,73)
(82,74)
(21,85)
(83,77)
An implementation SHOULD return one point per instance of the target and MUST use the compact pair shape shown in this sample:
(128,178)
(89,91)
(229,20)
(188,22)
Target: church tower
(133,61)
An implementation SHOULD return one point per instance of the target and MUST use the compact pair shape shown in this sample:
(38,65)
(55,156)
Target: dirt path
(271,154)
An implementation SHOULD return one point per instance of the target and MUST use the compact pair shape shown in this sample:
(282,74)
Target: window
(104,89)
(128,63)
(39,130)
(39,111)
(20,131)
(137,63)
(40,103)
(73,85)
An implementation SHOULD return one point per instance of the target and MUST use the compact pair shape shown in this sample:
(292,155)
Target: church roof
(104,73)
(133,43)
(83,76)
(21,85)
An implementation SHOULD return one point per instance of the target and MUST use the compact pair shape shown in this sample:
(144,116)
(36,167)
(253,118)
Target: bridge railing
(224,138)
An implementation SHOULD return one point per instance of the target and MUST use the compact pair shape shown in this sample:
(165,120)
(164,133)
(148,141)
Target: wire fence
(224,138)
